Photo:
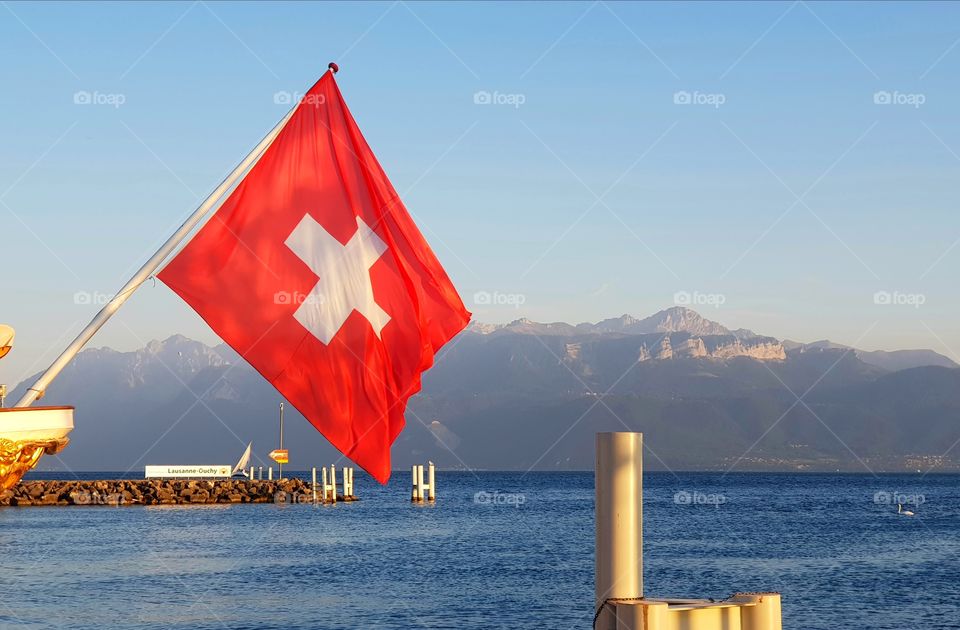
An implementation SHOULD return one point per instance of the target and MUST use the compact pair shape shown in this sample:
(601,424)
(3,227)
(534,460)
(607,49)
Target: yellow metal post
(764,614)
(619,522)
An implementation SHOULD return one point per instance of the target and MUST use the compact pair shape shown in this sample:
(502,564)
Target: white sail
(244,460)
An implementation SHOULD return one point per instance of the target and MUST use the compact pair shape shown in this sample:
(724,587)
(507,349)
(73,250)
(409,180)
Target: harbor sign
(280,455)
(192,472)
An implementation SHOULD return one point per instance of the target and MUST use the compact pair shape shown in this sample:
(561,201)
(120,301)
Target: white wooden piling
(333,483)
(422,490)
(270,474)
(619,522)
(251,474)
(347,483)
(260,475)
(432,482)
(314,485)
(413,483)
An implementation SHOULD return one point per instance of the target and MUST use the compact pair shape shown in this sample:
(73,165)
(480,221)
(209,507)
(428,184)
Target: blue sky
(814,165)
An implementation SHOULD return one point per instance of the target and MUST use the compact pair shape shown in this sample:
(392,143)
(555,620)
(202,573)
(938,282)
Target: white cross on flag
(343,272)
(314,272)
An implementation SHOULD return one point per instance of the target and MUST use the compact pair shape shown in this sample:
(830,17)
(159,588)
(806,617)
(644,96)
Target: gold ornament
(17,457)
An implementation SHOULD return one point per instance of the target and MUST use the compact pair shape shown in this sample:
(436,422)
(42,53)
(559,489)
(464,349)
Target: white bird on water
(902,511)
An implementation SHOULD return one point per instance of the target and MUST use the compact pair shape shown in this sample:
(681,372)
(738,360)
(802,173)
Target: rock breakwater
(119,492)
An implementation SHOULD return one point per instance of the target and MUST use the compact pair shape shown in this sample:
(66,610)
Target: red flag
(315,273)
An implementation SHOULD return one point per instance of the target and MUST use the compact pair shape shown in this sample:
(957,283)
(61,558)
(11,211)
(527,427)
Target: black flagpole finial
(333,66)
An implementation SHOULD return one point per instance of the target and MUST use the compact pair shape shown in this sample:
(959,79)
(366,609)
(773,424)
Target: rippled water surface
(520,555)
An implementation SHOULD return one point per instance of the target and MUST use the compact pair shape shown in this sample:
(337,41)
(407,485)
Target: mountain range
(530,396)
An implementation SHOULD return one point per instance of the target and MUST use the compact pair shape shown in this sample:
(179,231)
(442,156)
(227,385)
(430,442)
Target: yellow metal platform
(743,611)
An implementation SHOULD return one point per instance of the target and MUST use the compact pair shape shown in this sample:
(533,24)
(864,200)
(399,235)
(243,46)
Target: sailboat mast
(281,439)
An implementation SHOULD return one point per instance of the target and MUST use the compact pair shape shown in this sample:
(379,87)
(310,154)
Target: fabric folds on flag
(315,273)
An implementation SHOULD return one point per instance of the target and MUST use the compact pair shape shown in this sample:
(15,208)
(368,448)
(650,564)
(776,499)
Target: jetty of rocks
(119,492)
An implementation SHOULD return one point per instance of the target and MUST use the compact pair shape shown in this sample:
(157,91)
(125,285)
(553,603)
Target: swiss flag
(315,273)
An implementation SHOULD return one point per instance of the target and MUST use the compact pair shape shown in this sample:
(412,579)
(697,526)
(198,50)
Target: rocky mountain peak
(671,320)
(683,319)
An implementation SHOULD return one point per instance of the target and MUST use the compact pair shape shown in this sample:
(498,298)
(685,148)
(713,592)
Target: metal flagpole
(151,265)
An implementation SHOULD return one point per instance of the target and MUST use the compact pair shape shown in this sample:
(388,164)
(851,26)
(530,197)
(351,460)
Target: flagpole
(151,266)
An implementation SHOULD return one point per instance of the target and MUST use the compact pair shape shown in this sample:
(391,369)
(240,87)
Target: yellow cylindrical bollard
(764,615)
(648,616)
(619,521)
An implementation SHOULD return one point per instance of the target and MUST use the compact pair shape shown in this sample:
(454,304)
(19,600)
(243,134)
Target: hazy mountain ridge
(704,339)
(527,395)
(892,360)
(675,319)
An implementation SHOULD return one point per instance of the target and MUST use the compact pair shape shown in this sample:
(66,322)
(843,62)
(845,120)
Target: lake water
(518,555)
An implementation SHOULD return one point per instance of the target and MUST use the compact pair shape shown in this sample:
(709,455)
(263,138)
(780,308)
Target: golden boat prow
(27,433)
